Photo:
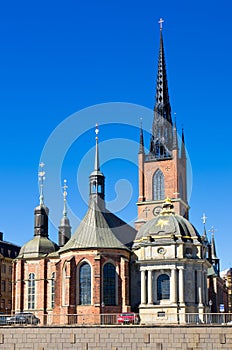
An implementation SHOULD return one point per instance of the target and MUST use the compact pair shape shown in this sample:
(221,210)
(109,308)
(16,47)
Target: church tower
(162,172)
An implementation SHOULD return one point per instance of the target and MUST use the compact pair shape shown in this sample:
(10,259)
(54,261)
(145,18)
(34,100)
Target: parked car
(23,318)
(3,320)
(128,318)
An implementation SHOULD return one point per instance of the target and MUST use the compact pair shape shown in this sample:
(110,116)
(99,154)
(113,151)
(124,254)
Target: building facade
(8,252)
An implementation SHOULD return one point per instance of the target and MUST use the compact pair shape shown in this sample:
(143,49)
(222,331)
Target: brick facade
(67,283)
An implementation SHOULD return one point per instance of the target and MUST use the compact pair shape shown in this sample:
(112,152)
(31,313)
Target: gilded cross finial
(41,176)
(204,218)
(161,21)
(65,197)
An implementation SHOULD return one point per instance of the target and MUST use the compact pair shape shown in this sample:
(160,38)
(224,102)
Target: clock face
(161,250)
(157,210)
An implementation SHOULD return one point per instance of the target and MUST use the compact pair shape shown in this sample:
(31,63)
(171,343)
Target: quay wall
(116,337)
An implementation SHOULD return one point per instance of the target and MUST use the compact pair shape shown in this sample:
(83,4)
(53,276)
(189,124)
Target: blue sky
(60,57)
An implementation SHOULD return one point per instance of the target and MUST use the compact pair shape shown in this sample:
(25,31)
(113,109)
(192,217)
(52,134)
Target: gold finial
(41,176)
(168,200)
(161,21)
(167,207)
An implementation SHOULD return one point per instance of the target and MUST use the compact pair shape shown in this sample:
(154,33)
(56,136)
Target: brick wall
(116,338)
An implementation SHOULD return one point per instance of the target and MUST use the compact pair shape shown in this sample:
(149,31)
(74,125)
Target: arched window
(31,291)
(163,287)
(64,287)
(158,185)
(85,284)
(53,290)
(109,284)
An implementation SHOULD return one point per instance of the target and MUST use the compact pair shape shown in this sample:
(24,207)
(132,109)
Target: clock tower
(162,171)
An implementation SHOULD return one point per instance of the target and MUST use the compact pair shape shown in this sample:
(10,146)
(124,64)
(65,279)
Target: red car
(128,318)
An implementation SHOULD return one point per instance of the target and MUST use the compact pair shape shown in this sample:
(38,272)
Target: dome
(168,225)
(37,247)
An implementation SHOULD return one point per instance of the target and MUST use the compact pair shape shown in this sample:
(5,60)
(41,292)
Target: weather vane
(65,197)
(96,131)
(41,176)
(161,21)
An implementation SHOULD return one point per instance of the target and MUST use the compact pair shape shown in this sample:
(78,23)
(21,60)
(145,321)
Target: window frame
(31,292)
(85,284)
(158,185)
(109,285)
(161,294)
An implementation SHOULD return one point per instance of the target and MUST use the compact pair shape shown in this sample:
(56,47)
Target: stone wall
(116,338)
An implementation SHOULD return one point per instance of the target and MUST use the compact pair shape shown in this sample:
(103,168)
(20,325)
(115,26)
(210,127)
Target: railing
(113,319)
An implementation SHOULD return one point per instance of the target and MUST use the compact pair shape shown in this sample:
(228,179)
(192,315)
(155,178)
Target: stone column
(149,287)
(206,289)
(173,285)
(199,286)
(143,287)
(181,285)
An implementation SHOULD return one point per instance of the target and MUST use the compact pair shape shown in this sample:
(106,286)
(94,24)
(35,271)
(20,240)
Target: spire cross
(41,176)
(212,230)
(204,218)
(161,21)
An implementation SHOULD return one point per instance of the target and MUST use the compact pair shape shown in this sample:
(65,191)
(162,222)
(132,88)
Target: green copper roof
(168,224)
(100,229)
(37,247)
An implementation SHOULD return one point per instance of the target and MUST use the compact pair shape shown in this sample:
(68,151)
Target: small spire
(175,138)
(204,218)
(64,228)
(141,141)
(41,177)
(96,164)
(161,21)
(65,196)
(213,247)
(183,151)
(97,179)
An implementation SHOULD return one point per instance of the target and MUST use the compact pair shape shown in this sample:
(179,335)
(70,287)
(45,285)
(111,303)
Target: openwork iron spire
(162,123)
(141,141)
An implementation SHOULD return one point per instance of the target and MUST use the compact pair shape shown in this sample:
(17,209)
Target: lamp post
(102,306)
(210,308)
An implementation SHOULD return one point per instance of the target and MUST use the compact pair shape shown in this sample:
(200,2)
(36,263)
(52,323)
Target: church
(159,269)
